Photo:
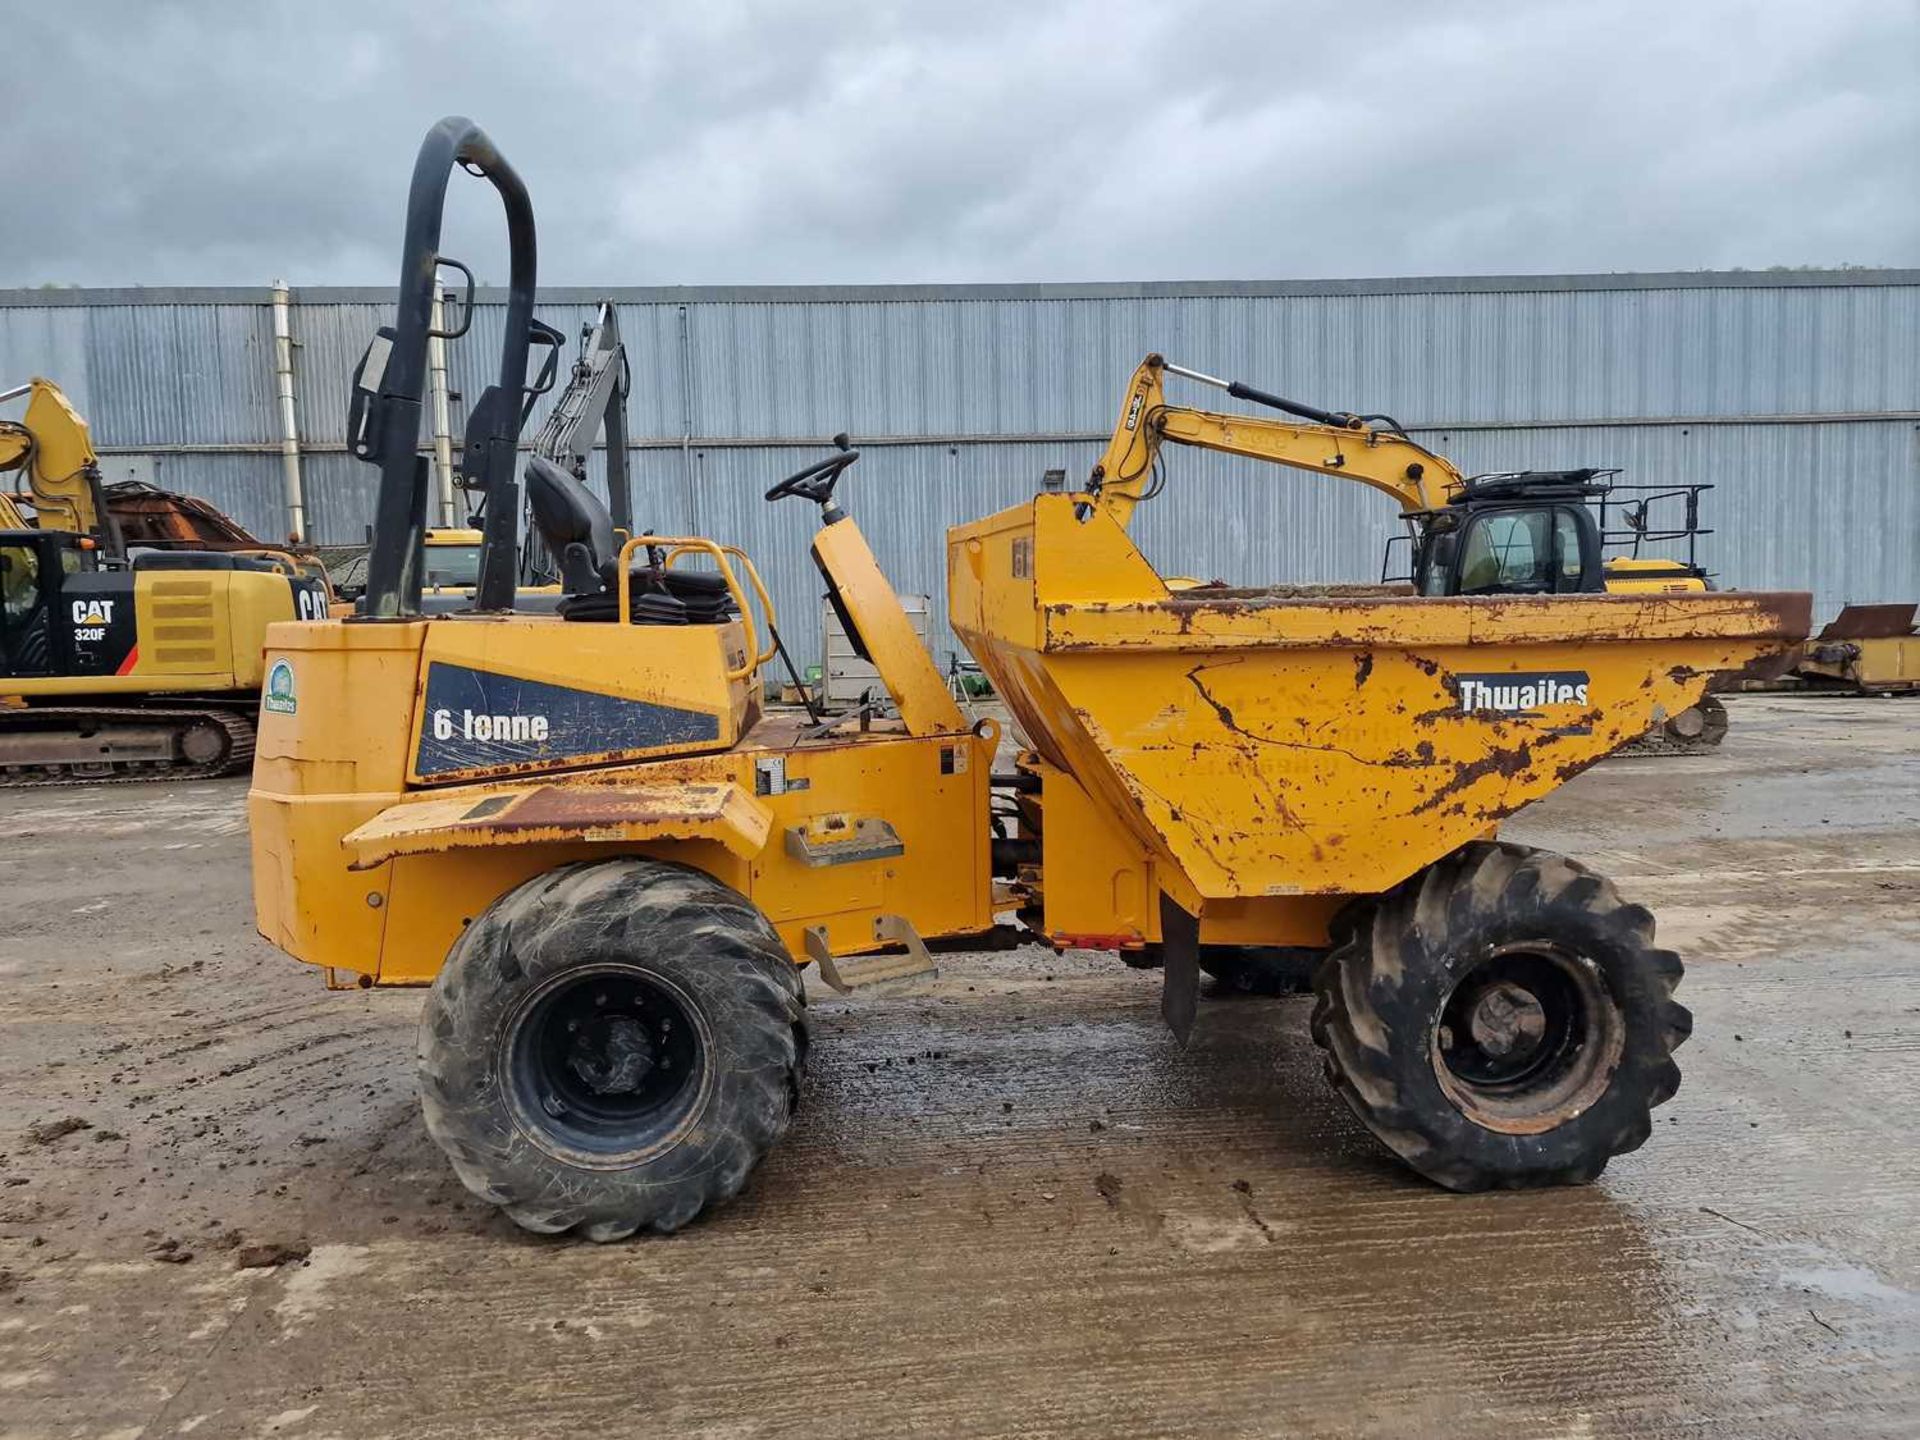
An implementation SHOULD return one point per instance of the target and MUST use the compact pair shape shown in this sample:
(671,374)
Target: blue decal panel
(476,720)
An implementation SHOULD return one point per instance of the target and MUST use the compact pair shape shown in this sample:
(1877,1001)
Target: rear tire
(1501,1020)
(613,1045)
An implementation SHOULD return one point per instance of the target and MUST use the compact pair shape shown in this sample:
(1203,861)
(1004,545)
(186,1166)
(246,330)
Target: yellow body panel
(599,814)
(1101,885)
(1884,662)
(363,867)
(1876,663)
(1628,575)
(925,703)
(199,630)
(1274,744)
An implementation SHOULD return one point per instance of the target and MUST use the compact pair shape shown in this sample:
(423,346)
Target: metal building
(1796,393)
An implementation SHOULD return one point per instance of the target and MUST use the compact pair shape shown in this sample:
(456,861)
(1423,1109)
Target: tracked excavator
(1535,532)
(120,663)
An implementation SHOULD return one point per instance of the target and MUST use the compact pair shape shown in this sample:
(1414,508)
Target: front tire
(613,1045)
(1502,1020)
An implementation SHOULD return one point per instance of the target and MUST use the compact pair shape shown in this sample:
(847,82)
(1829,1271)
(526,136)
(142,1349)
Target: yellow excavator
(1530,532)
(119,665)
(610,860)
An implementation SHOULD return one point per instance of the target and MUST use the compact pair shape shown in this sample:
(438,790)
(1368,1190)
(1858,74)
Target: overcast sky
(709,141)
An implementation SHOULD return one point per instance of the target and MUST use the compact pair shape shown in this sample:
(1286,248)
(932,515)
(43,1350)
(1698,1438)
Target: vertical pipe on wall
(442,420)
(686,432)
(289,427)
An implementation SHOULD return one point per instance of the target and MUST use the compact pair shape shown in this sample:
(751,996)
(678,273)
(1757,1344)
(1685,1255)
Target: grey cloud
(839,142)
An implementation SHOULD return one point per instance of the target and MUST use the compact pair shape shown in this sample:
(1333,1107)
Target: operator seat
(575,525)
(577,528)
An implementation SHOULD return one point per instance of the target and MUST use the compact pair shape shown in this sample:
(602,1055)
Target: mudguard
(518,815)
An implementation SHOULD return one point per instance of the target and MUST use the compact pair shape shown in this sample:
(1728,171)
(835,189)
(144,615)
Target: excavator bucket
(1281,741)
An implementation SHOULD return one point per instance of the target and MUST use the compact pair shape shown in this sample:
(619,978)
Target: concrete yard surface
(1010,1205)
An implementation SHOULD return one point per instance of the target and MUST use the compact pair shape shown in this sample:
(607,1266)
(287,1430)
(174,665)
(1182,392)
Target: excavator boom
(54,450)
(1351,447)
(594,401)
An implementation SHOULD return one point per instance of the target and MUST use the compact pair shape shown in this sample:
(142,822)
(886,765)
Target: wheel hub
(1527,1039)
(605,1061)
(1508,1022)
(613,1054)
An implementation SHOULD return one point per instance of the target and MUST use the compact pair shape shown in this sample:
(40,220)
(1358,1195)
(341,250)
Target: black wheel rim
(1527,1039)
(607,1065)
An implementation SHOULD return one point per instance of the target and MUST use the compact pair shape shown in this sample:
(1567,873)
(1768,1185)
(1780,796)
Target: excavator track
(45,745)
(1694,731)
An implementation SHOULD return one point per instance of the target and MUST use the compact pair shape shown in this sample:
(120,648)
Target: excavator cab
(29,580)
(1530,533)
(64,614)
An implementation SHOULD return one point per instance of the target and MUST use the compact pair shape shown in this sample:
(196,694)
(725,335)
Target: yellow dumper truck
(612,863)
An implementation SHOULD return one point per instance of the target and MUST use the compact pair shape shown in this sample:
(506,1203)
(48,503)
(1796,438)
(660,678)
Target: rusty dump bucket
(1870,648)
(1314,742)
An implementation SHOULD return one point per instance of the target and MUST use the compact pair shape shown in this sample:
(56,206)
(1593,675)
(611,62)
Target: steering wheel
(816,482)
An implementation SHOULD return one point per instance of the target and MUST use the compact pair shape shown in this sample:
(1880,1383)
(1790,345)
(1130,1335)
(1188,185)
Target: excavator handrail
(719,553)
(759,589)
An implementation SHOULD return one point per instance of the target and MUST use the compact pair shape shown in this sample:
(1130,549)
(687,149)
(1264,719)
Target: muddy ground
(1010,1206)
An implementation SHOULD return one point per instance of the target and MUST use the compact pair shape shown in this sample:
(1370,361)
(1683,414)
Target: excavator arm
(595,398)
(53,448)
(1353,447)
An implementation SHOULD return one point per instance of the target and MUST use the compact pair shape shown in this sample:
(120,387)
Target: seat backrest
(568,515)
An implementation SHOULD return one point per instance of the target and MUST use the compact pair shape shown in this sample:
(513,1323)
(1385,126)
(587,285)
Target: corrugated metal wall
(1796,393)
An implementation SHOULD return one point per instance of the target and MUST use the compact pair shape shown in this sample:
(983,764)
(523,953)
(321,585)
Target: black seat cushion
(659,597)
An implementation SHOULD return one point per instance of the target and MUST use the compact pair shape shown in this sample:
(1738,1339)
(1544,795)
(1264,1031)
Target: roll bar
(383,422)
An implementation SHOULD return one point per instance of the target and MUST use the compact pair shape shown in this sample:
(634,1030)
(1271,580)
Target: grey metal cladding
(1797,393)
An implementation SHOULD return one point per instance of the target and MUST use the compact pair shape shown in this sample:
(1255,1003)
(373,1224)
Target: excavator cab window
(1517,550)
(25,635)
(1508,554)
(451,567)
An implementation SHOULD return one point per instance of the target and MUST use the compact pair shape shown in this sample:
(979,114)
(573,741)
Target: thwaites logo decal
(1525,693)
(477,720)
(279,697)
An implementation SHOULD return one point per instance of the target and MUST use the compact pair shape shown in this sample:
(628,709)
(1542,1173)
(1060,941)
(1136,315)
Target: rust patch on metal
(1504,761)
(1207,596)
(1870,622)
(567,805)
(1762,667)
(1362,668)
(1398,760)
